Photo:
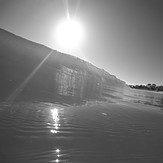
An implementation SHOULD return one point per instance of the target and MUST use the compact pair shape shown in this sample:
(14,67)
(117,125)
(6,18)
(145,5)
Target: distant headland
(151,87)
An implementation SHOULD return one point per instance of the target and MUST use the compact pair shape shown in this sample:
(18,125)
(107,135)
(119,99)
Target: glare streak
(25,82)
(77,7)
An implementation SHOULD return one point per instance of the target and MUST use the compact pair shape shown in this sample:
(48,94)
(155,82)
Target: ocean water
(144,97)
(119,129)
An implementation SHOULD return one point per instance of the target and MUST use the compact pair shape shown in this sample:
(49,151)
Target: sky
(124,37)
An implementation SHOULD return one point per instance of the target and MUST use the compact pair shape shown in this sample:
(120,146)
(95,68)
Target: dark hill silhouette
(60,75)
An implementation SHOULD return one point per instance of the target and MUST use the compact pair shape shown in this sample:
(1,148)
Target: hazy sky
(124,37)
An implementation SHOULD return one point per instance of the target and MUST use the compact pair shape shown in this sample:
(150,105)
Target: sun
(69,33)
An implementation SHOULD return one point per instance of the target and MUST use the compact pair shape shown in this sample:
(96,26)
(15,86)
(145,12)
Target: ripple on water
(45,132)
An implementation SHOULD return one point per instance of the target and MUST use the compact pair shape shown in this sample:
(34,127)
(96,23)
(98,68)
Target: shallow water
(95,131)
(144,97)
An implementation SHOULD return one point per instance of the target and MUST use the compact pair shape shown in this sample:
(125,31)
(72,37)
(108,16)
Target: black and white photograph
(81,81)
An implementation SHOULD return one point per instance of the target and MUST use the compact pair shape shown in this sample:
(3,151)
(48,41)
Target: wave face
(33,70)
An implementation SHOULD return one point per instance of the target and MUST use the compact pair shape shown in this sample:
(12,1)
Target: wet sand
(120,132)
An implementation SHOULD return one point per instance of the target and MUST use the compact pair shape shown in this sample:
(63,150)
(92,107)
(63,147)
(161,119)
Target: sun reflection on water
(55,117)
(55,124)
(56,160)
(57,151)
(57,155)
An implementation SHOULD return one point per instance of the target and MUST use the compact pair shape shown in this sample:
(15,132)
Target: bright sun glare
(69,33)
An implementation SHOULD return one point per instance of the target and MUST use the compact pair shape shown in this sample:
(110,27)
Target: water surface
(92,131)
